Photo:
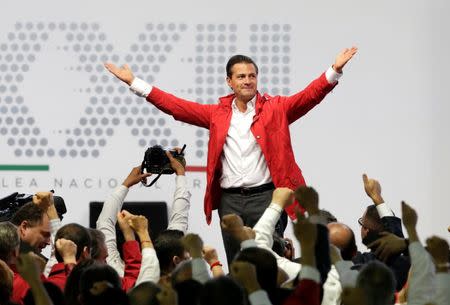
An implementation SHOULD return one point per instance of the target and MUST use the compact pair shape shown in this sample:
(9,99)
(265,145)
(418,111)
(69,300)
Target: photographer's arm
(107,219)
(179,216)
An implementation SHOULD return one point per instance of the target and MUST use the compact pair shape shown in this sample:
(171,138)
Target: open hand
(373,189)
(245,274)
(409,216)
(343,57)
(43,199)
(283,196)
(135,176)
(308,198)
(123,73)
(387,245)
(193,244)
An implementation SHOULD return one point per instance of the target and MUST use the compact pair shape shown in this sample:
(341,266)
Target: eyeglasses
(361,223)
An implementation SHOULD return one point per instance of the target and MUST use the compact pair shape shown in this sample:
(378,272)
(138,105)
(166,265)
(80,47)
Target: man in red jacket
(249,149)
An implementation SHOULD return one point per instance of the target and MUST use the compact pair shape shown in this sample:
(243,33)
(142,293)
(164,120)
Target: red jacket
(20,286)
(270,127)
(132,258)
(307,292)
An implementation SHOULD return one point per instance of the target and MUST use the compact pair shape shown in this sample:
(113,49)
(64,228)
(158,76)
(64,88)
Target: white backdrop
(387,117)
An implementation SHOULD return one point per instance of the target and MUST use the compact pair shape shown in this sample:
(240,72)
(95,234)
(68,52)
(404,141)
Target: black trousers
(249,208)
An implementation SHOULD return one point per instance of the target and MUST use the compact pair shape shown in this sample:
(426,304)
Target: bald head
(342,237)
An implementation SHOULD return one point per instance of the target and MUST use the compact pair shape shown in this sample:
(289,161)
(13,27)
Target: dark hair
(99,272)
(9,240)
(328,216)
(167,245)
(54,292)
(30,212)
(144,294)
(237,59)
(266,267)
(189,292)
(373,216)
(279,244)
(76,233)
(377,282)
(97,238)
(72,287)
(222,291)
(350,249)
(6,283)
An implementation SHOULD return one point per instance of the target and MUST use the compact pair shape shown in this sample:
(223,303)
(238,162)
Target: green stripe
(15,167)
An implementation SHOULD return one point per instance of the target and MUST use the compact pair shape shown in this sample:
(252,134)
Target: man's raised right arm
(182,110)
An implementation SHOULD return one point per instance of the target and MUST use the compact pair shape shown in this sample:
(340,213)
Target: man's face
(103,252)
(38,235)
(367,225)
(243,81)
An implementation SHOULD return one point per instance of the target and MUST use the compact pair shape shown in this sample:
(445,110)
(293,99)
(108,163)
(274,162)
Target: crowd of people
(90,267)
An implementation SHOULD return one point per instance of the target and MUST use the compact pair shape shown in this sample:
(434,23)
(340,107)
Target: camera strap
(154,180)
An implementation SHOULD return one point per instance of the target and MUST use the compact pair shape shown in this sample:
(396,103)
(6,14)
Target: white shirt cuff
(332,76)
(259,297)
(180,180)
(140,87)
(310,273)
(147,252)
(384,210)
(276,207)
(55,224)
(249,243)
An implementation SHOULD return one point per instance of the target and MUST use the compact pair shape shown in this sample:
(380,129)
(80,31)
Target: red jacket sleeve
(59,274)
(182,110)
(300,103)
(132,258)
(307,292)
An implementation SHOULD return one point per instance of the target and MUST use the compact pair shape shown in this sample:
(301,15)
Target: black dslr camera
(10,204)
(157,162)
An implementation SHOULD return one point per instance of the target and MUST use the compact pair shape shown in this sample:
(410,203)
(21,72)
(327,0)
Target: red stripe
(196,168)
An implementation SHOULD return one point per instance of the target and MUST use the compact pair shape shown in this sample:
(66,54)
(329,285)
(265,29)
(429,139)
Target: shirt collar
(250,104)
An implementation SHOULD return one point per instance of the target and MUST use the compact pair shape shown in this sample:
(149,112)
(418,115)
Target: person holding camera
(178,219)
(249,149)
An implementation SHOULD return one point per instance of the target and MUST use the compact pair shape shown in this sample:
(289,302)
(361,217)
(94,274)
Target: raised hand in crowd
(212,258)
(135,176)
(245,274)
(373,189)
(234,226)
(409,218)
(308,198)
(176,165)
(439,250)
(139,224)
(29,270)
(123,73)
(306,234)
(45,201)
(283,197)
(353,296)
(67,249)
(387,245)
(123,218)
(167,295)
(193,244)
